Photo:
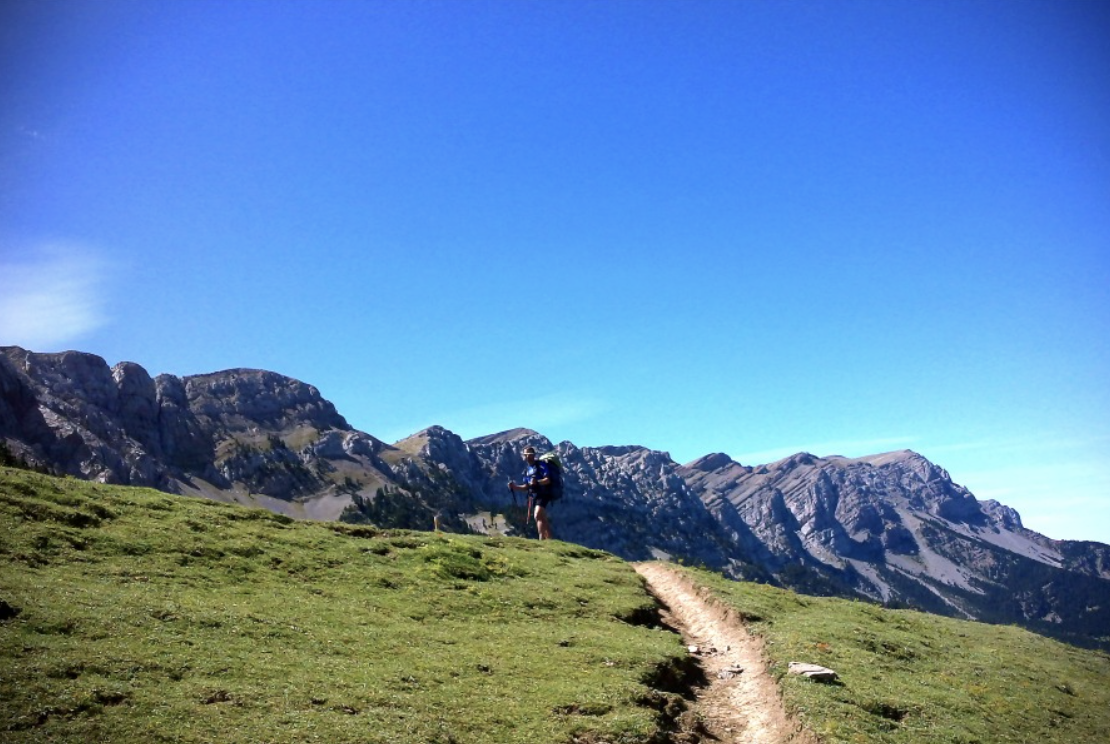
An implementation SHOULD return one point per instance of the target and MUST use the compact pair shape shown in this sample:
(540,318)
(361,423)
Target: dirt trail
(738,707)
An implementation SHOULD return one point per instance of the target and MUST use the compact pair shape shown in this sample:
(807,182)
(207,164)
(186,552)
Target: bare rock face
(241,399)
(631,501)
(136,400)
(896,529)
(225,434)
(186,445)
(64,412)
(627,500)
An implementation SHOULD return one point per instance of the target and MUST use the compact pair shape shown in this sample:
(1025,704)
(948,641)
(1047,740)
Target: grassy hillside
(131,615)
(148,617)
(910,677)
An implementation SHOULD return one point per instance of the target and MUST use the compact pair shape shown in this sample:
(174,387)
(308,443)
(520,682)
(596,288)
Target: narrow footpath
(741,703)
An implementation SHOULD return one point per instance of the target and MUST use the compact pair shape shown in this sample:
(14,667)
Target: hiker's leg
(543,526)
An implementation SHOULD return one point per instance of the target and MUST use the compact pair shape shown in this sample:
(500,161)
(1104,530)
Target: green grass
(909,677)
(128,615)
(149,617)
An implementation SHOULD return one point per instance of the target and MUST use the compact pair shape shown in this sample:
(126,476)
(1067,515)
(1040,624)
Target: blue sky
(753,227)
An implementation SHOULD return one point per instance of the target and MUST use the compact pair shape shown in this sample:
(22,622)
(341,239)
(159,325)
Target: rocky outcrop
(236,435)
(628,500)
(895,528)
(66,412)
(891,527)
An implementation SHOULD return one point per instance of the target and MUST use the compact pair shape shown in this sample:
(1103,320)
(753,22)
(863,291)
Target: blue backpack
(554,491)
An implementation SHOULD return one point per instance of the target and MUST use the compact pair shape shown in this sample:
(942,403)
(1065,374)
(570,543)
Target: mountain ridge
(890,527)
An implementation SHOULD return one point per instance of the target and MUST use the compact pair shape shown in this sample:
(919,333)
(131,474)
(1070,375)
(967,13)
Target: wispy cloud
(50,294)
(29,133)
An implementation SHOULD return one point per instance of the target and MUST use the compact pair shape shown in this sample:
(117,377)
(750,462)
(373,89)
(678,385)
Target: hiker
(538,482)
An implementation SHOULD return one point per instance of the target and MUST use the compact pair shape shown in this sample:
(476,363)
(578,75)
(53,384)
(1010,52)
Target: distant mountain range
(892,527)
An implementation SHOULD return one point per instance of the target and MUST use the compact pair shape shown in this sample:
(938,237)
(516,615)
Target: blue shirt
(537,472)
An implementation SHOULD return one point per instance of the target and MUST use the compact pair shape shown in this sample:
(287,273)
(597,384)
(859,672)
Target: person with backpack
(543,482)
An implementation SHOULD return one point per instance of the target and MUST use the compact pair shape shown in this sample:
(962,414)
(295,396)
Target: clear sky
(751,226)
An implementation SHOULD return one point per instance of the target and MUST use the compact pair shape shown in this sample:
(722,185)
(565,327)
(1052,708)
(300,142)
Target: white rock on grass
(813,671)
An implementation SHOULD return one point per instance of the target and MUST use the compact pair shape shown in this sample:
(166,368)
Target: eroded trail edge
(741,703)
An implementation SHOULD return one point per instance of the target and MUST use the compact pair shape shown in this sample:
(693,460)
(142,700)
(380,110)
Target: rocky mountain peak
(908,462)
(709,463)
(435,443)
(243,398)
(1004,516)
(519,434)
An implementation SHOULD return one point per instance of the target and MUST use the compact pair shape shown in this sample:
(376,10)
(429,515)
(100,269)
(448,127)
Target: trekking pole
(527,513)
